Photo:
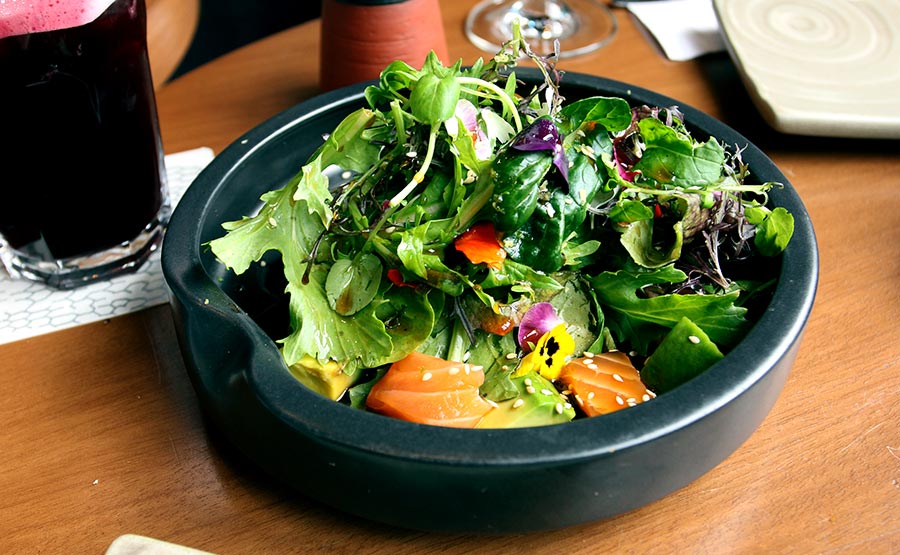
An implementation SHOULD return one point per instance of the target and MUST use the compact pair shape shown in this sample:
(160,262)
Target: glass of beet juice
(83,191)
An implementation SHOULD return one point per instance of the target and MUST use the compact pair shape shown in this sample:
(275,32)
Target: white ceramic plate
(819,67)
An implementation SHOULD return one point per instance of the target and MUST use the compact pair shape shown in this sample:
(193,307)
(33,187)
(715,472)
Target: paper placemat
(29,308)
(684,29)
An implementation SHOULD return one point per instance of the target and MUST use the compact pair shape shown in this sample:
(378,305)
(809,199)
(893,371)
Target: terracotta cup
(361,37)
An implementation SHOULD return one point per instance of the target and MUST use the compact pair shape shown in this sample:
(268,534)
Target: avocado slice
(537,403)
(685,352)
(326,379)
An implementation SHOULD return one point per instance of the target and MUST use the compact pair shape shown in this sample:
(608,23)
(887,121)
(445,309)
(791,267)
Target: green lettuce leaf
(673,157)
(644,320)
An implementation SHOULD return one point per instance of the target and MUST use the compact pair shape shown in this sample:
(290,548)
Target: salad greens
(474,199)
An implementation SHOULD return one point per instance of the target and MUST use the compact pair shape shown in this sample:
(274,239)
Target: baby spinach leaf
(513,273)
(614,114)
(352,283)
(433,98)
(410,250)
(628,211)
(672,157)
(774,232)
(685,353)
(516,176)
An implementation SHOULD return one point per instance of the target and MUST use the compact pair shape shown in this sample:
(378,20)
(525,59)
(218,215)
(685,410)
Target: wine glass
(579,26)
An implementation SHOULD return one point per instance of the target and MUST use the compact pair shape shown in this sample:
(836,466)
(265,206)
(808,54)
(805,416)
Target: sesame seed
(632,353)
(412,154)
(546,392)
(567,406)
(589,361)
(273,222)
(467,369)
(510,356)
(527,381)
(476,368)
(645,397)
(492,403)
(620,400)
(346,174)
(579,399)
(591,395)
(618,378)
(530,389)
(589,354)
(466,356)
(652,395)
(505,368)
(631,400)
(518,403)
(632,403)
(593,366)
(426,376)
(559,408)
(454,370)
(694,339)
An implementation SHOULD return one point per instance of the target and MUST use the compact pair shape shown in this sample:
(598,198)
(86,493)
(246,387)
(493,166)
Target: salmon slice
(604,383)
(430,390)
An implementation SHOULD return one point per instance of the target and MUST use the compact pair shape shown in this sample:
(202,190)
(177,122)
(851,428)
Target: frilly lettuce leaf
(291,221)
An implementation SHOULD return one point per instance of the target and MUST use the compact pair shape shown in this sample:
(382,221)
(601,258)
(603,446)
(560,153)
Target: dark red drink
(80,155)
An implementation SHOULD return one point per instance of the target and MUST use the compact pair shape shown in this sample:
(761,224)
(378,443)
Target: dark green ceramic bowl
(447,479)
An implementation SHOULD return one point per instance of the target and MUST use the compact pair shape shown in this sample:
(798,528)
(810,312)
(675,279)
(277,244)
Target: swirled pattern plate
(819,67)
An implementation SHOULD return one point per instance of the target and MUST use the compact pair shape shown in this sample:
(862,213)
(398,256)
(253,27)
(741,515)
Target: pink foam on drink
(21,17)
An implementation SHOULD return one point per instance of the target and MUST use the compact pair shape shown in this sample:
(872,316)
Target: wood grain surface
(102,434)
(171,25)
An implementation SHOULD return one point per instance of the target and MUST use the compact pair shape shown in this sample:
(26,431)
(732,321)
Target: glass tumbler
(83,192)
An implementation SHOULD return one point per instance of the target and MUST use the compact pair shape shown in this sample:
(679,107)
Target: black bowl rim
(312,415)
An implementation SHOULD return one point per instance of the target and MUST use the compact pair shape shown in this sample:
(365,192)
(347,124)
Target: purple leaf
(543,135)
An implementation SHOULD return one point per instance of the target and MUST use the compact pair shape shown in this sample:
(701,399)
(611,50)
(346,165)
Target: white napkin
(133,544)
(29,308)
(684,29)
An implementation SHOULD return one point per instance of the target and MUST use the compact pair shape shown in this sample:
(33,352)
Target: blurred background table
(102,434)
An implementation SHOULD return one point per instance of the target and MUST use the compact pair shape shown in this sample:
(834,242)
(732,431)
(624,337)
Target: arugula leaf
(644,320)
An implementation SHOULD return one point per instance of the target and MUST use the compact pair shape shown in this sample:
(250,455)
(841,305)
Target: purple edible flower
(543,135)
(539,319)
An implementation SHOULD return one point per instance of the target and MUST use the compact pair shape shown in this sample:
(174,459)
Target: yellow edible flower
(549,355)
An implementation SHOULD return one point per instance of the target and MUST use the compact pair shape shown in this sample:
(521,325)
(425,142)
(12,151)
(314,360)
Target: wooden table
(102,435)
